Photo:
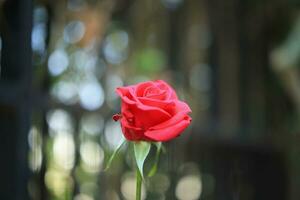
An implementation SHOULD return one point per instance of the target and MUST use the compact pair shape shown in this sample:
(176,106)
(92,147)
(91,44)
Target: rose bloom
(151,111)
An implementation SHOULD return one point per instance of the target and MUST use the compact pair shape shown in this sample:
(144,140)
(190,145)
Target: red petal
(170,132)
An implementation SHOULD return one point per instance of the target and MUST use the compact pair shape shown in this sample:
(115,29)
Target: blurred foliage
(149,61)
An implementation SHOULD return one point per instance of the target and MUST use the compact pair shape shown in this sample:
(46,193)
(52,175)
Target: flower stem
(138,192)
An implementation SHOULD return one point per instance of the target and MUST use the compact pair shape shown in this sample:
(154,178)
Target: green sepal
(153,169)
(141,151)
(122,142)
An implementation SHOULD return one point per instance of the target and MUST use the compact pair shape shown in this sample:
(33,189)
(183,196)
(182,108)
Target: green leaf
(123,141)
(141,151)
(158,145)
(153,170)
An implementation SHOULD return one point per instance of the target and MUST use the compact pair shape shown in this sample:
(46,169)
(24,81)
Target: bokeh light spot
(92,156)
(59,121)
(116,47)
(58,62)
(128,187)
(64,151)
(92,124)
(189,188)
(113,134)
(91,95)
(74,32)
(65,92)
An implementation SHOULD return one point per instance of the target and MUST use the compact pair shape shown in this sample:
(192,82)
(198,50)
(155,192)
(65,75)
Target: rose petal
(170,91)
(148,117)
(182,107)
(174,120)
(125,95)
(131,132)
(154,92)
(169,106)
(143,107)
(145,115)
(141,87)
(166,133)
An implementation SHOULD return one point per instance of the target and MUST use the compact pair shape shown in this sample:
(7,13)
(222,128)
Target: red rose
(151,111)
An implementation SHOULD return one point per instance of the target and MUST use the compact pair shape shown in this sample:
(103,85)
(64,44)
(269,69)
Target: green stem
(138,192)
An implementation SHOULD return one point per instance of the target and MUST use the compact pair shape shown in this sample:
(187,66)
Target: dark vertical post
(224,23)
(15,90)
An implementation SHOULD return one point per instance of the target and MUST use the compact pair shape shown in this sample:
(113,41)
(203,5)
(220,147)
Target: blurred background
(235,62)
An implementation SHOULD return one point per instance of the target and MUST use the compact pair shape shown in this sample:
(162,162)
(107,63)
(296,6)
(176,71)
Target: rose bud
(151,111)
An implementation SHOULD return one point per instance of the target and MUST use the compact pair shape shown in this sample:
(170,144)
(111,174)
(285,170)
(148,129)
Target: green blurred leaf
(141,151)
(150,60)
(153,170)
(123,141)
